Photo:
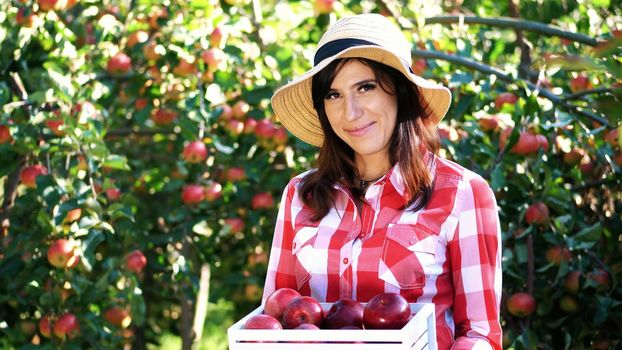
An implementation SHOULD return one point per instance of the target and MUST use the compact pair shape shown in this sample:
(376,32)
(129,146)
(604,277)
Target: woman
(382,213)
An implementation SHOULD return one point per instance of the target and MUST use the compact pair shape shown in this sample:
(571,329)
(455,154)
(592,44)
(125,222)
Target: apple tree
(141,164)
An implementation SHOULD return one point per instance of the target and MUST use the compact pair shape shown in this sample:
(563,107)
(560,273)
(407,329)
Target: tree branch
(593,184)
(469,63)
(506,22)
(136,131)
(524,70)
(10,192)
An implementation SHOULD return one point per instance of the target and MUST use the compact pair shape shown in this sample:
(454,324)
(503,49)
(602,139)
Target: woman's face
(360,111)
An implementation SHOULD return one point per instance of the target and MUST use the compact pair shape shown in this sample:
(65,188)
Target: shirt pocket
(408,256)
(303,251)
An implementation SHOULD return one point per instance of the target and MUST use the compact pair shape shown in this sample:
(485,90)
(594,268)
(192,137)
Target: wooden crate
(418,334)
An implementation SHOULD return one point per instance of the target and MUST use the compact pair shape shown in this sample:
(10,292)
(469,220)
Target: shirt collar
(395,176)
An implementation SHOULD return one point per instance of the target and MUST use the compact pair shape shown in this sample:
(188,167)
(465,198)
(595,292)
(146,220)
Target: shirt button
(361,235)
(345,260)
(412,241)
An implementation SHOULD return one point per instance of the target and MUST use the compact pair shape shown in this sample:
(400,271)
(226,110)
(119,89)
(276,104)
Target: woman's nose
(353,108)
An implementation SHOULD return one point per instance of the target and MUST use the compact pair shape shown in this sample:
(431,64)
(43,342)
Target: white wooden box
(418,334)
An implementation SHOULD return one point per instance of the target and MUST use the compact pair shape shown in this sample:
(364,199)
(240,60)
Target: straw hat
(370,36)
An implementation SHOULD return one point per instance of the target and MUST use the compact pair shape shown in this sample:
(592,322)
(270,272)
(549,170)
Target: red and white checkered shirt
(448,253)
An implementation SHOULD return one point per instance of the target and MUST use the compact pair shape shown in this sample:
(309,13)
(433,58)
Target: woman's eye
(367,87)
(331,95)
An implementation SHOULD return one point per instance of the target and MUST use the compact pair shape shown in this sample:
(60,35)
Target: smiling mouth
(360,131)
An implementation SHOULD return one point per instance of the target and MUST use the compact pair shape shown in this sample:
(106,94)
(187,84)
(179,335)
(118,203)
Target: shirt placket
(361,229)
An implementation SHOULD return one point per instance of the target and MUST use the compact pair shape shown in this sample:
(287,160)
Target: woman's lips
(360,131)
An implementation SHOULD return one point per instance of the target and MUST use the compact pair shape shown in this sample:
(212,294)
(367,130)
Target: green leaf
(463,104)
(590,233)
(497,178)
(138,308)
(4,93)
(61,82)
(115,161)
(88,247)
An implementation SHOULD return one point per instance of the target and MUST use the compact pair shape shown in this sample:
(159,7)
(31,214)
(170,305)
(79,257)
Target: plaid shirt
(448,253)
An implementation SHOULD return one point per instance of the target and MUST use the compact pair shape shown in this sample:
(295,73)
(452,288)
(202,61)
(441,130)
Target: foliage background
(53,70)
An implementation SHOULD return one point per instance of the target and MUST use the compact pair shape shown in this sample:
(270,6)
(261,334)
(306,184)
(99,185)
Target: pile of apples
(285,308)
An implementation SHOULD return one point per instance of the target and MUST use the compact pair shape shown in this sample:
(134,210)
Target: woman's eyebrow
(357,84)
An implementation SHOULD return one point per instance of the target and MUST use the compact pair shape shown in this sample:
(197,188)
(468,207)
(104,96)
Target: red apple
(213,191)
(141,103)
(262,321)
(612,137)
(586,166)
(537,213)
(215,38)
(236,224)
(28,327)
(556,255)
(55,126)
(571,283)
(265,128)
(324,6)
(67,325)
(344,313)
(574,156)
(600,277)
(195,152)
(113,194)
(5,134)
(137,37)
(419,65)
(193,194)
(521,304)
(84,111)
(448,132)
(135,261)
(152,52)
(234,127)
(163,116)
(301,310)
(543,142)
(249,125)
(186,67)
(568,304)
(308,326)
(212,58)
(227,112)
(72,215)
(280,136)
(45,326)
(235,174)
(47,5)
(488,123)
(29,175)
(277,301)
(527,142)
(580,83)
(62,254)
(386,311)
(118,317)
(24,20)
(119,64)
(263,200)
(240,109)
(505,97)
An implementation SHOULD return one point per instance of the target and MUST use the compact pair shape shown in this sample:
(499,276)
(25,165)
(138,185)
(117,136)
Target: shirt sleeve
(475,258)
(281,263)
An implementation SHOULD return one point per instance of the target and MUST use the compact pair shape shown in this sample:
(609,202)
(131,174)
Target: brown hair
(336,158)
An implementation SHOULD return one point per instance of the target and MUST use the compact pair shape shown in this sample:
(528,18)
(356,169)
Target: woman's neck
(372,167)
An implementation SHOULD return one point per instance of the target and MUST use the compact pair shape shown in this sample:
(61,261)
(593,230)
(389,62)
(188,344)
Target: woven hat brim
(293,104)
